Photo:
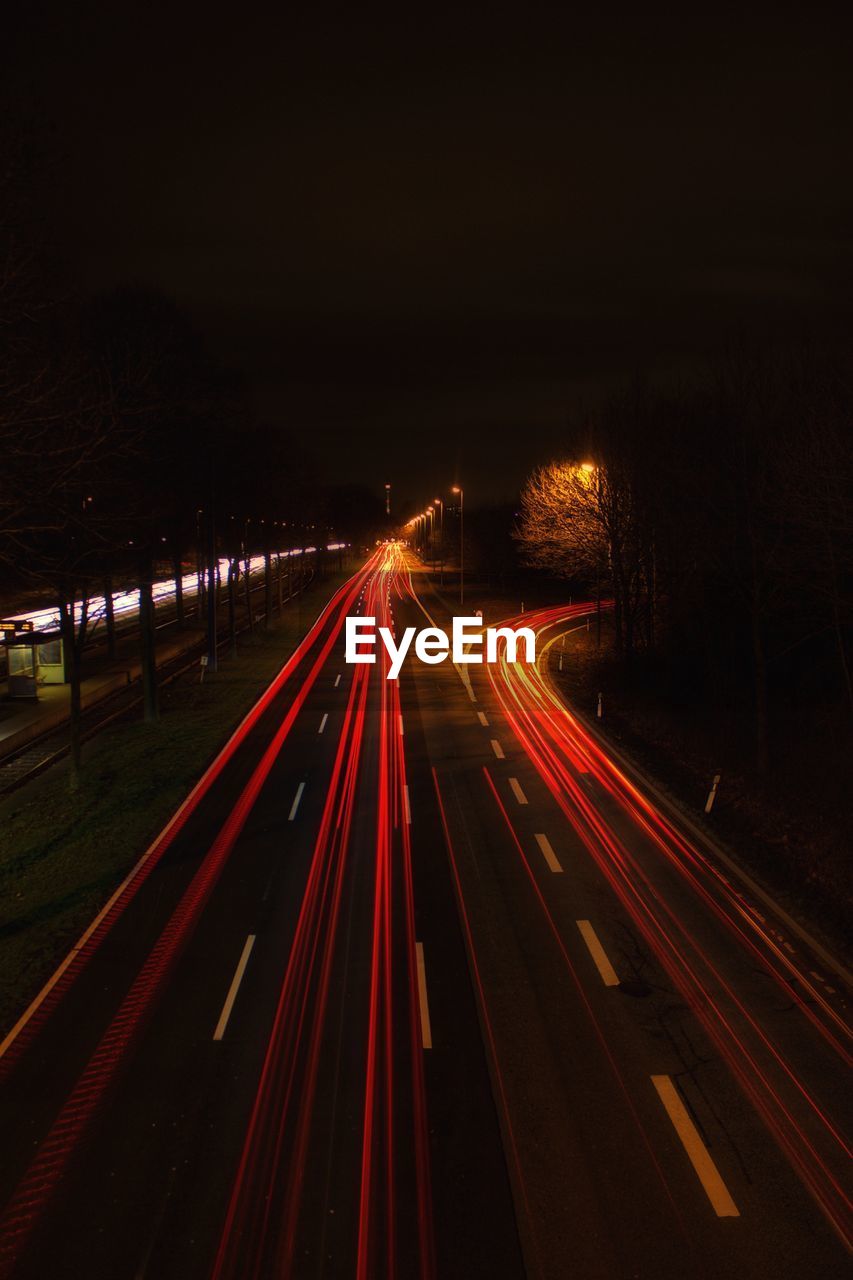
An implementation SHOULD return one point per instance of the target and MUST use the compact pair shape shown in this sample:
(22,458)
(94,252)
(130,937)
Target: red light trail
(568,757)
(345,1014)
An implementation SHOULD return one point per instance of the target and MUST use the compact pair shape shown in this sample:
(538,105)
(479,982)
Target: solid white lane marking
(596,950)
(408,811)
(498,749)
(548,853)
(698,1154)
(426,1029)
(337,680)
(323,723)
(400,718)
(483,719)
(296,800)
(234,988)
(517,791)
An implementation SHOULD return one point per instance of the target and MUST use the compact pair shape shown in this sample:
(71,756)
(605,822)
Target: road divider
(515,786)
(609,976)
(426,1028)
(234,988)
(697,1153)
(296,800)
(548,853)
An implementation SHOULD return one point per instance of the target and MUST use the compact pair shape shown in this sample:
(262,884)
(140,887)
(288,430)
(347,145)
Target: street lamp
(457,488)
(431,514)
(439,503)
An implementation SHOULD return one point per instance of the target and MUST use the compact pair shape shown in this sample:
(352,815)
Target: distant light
(587,466)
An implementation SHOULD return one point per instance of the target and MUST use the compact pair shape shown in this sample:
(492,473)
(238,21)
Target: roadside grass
(62,853)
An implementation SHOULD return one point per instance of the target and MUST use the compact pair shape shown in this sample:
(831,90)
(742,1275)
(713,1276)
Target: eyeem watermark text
(433,645)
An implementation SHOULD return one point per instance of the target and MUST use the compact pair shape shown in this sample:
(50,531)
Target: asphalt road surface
(420,983)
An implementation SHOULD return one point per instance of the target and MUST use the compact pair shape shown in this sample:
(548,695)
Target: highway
(420,982)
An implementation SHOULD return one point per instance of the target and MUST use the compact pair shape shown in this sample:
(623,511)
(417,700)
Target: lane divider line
(234,988)
(296,800)
(40,1006)
(406,806)
(323,722)
(517,791)
(698,1154)
(337,680)
(548,853)
(426,1028)
(609,976)
(498,749)
(484,719)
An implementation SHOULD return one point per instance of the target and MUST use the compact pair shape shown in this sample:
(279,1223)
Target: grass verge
(63,852)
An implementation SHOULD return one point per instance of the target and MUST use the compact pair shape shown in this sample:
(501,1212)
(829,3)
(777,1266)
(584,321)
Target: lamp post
(439,503)
(431,515)
(457,488)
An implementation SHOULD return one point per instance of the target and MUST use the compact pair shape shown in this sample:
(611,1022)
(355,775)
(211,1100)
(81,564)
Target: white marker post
(203,664)
(709,803)
(599,709)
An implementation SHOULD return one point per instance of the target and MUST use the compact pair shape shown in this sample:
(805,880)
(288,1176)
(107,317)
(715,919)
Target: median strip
(698,1154)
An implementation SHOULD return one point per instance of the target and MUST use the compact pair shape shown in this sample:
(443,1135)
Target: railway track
(49,748)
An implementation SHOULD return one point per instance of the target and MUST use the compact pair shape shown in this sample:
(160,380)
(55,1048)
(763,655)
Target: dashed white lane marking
(698,1154)
(234,988)
(323,723)
(400,718)
(296,800)
(337,680)
(548,853)
(406,808)
(517,791)
(498,749)
(608,974)
(426,1029)
(484,720)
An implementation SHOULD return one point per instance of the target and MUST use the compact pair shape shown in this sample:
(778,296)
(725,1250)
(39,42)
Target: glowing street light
(440,503)
(457,488)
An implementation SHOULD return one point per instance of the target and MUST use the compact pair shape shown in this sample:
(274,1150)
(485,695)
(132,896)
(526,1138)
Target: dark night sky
(428,239)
